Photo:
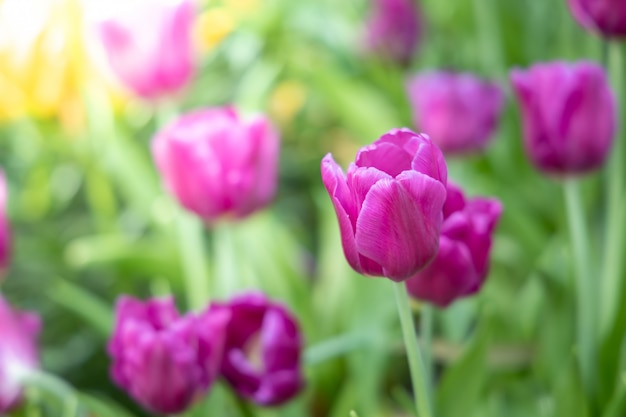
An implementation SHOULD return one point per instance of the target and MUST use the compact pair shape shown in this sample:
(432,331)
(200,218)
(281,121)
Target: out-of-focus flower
(149,45)
(263,348)
(458,111)
(212,26)
(44,65)
(18,352)
(393,29)
(162,360)
(462,263)
(569,115)
(389,206)
(5,228)
(608,17)
(287,100)
(216,164)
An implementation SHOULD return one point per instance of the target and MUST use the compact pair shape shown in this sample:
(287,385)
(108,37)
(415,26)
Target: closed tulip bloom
(459,112)
(149,46)
(393,29)
(569,116)
(5,229)
(462,263)
(216,163)
(162,360)
(18,352)
(389,206)
(263,349)
(608,17)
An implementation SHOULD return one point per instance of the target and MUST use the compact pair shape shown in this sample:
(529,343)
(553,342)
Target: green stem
(416,362)
(585,285)
(427,313)
(55,386)
(489,36)
(614,235)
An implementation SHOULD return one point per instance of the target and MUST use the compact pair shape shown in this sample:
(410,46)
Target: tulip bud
(162,360)
(389,206)
(149,45)
(263,348)
(458,111)
(217,164)
(393,29)
(568,112)
(608,17)
(18,352)
(5,229)
(462,263)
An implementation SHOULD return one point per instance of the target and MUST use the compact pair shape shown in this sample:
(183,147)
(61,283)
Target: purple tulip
(217,164)
(393,29)
(462,263)
(263,348)
(458,111)
(162,360)
(569,116)
(149,46)
(18,352)
(607,17)
(389,206)
(5,229)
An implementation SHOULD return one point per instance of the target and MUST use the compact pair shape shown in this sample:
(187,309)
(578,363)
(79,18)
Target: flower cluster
(166,361)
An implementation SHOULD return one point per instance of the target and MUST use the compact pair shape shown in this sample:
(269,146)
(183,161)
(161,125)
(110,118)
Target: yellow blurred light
(212,26)
(287,100)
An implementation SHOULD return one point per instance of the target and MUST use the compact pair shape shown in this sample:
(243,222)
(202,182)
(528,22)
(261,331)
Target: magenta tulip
(217,164)
(149,46)
(393,29)
(162,360)
(462,263)
(458,111)
(263,349)
(607,17)
(5,229)
(569,116)
(18,352)
(390,205)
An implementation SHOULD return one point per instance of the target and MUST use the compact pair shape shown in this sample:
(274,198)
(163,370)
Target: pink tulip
(608,17)
(162,360)
(393,29)
(462,263)
(569,116)
(149,46)
(18,352)
(390,205)
(218,164)
(458,111)
(5,229)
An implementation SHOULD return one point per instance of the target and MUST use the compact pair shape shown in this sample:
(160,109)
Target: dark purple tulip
(263,348)
(462,263)
(393,29)
(569,116)
(162,360)
(18,352)
(608,17)
(458,111)
(389,205)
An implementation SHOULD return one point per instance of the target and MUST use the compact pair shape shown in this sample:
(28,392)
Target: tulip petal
(386,156)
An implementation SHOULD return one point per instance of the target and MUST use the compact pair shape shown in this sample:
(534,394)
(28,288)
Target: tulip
(5,228)
(263,348)
(18,352)
(608,17)
(162,360)
(218,164)
(462,263)
(458,111)
(149,46)
(393,29)
(569,116)
(390,205)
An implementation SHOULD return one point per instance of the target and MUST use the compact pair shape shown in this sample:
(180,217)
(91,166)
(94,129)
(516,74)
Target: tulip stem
(585,287)
(416,362)
(426,331)
(57,387)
